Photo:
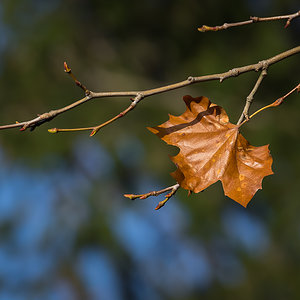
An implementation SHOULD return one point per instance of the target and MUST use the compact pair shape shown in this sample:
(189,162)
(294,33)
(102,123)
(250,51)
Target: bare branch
(139,95)
(276,103)
(289,18)
(135,101)
(77,82)
(173,189)
(245,113)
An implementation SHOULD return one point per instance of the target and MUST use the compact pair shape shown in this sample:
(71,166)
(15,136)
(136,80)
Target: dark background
(66,231)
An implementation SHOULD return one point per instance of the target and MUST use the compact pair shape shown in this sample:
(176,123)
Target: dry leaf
(212,149)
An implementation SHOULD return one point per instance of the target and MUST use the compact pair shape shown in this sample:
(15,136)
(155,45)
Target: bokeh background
(66,231)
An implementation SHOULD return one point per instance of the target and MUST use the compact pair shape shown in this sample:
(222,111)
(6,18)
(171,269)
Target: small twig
(77,82)
(276,103)
(289,18)
(146,93)
(133,104)
(173,189)
(95,129)
(245,113)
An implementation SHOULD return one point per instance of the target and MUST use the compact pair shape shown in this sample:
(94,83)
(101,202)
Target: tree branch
(139,95)
(245,113)
(173,189)
(276,103)
(205,28)
(77,82)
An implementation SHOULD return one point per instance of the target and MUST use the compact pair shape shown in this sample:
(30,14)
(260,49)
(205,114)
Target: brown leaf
(212,149)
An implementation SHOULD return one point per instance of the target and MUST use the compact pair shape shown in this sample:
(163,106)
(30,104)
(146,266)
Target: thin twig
(77,82)
(245,113)
(95,129)
(289,18)
(133,104)
(276,103)
(173,189)
(46,117)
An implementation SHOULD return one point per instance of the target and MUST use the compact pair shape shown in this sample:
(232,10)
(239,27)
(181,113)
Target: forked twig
(289,18)
(245,113)
(276,103)
(173,189)
(139,95)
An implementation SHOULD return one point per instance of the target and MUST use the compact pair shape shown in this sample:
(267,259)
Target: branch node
(249,99)
(264,64)
(191,79)
(254,19)
(139,96)
(235,72)
(47,115)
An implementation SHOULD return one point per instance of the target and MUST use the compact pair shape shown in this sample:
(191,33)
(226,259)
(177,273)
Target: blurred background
(66,231)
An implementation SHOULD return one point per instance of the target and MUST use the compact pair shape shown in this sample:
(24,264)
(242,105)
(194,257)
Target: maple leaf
(212,149)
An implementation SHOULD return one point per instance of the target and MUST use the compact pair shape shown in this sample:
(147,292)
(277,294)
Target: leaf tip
(245,204)
(152,129)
